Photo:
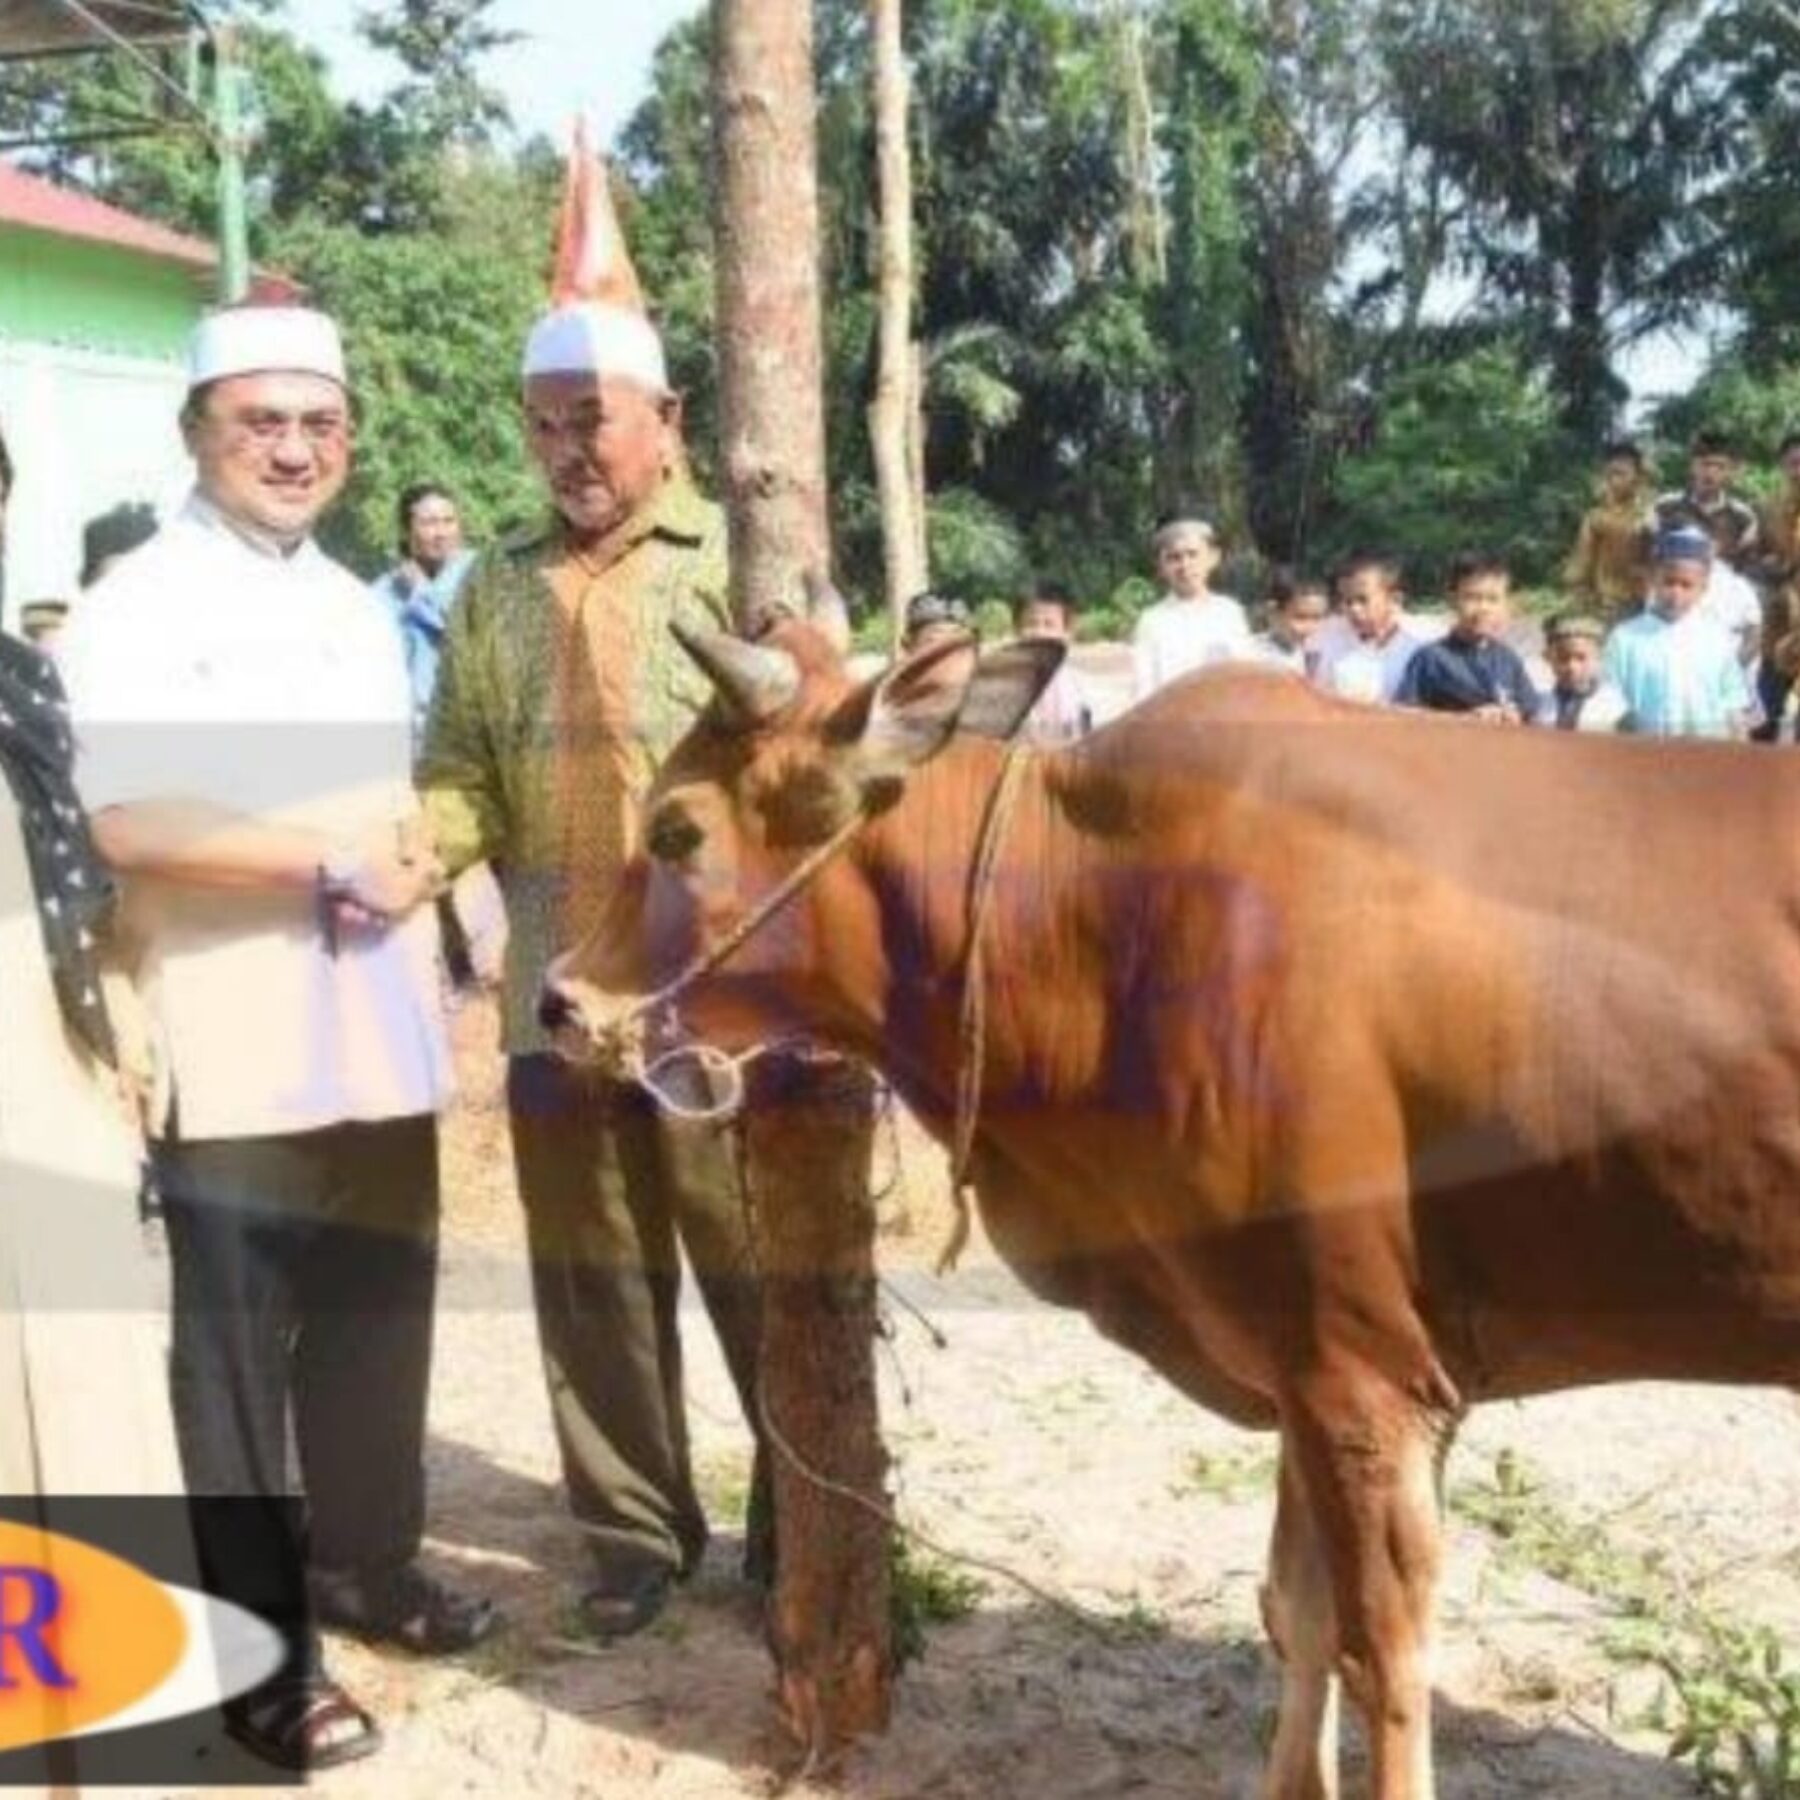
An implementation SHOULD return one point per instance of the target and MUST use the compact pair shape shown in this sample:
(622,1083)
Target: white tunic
(83,1404)
(209,666)
(1355,669)
(1175,637)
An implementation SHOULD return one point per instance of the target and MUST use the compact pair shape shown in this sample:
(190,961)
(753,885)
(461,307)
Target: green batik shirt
(493,771)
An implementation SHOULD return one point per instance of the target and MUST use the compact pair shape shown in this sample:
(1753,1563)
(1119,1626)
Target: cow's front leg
(1370,1457)
(1300,1616)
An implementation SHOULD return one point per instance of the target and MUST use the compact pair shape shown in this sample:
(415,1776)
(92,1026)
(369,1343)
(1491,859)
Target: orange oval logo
(83,1635)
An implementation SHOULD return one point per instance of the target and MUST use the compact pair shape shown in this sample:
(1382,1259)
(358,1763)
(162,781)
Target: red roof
(40,205)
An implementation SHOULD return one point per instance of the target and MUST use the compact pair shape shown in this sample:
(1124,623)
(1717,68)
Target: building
(95,309)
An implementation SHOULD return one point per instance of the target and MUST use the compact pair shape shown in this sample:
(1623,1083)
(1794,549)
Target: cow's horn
(825,607)
(754,680)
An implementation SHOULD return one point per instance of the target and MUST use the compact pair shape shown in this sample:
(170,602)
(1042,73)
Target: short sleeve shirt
(1175,637)
(208,666)
(1680,677)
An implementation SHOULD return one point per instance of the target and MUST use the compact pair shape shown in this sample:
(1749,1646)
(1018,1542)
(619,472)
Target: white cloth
(84,1406)
(254,340)
(1354,669)
(1175,637)
(1292,658)
(594,337)
(209,667)
(1732,602)
(1604,710)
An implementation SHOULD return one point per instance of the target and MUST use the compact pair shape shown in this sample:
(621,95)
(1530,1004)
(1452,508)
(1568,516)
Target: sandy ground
(1027,1440)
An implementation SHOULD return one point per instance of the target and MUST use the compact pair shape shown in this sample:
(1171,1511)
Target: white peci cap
(595,337)
(252,340)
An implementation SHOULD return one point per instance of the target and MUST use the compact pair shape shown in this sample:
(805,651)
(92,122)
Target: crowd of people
(242,791)
(1679,617)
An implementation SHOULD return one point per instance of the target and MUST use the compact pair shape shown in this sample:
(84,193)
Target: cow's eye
(673,837)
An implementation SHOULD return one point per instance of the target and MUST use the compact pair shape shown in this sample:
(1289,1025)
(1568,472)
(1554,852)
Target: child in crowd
(1298,607)
(1191,626)
(1582,699)
(1708,501)
(1473,669)
(1364,651)
(1678,668)
(931,619)
(1063,712)
(1609,570)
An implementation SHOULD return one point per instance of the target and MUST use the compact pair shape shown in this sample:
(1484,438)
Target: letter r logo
(29,1601)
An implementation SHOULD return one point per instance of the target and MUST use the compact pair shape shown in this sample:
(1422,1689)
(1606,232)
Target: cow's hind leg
(1300,1616)
(1371,1457)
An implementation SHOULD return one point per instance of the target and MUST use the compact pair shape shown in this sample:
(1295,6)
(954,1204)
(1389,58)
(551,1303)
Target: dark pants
(304,1268)
(613,1191)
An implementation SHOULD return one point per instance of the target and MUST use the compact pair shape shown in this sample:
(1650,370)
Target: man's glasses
(266,427)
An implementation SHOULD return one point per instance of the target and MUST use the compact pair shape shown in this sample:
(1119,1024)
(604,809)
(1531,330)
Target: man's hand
(396,872)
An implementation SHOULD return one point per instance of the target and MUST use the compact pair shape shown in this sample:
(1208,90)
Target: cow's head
(775,784)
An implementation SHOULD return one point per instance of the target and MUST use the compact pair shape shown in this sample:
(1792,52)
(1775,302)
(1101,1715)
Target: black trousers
(304,1269)
(613,1192)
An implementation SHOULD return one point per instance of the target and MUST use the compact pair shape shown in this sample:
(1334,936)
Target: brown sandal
(293,1725)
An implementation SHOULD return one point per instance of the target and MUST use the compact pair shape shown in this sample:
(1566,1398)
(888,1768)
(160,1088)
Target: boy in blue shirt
(1678,668)
(1472,669)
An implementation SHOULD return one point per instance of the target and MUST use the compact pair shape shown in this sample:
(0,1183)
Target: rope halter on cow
(622,1041)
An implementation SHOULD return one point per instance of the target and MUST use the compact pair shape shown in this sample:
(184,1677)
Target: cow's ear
(905,716)
(1007,684)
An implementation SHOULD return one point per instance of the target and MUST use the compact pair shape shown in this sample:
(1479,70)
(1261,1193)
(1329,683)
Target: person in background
(1609,570)
(1063,712)
(1708,501)
(1298,608)
(1677,668)
(242,723)
(1363,651)
(1472,669)
(1191,627)
(1778,572)
(41,623)
(113,535)
(1581,699)
(422,587)
(562,684)
(933,619)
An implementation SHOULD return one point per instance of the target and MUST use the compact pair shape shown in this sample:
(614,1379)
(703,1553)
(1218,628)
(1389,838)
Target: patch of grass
(925,1591)
(1732,1707)
(1139,1623)
(1230,1475)
(1730,1703)
(1532,1531)
(723,1482)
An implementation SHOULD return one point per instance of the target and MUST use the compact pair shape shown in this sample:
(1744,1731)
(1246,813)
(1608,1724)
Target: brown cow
(1349,1067)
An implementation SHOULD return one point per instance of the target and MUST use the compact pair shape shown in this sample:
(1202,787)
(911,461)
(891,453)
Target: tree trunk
(772,395)
(892,436)
(810,1128)
(1148,230)
(808,1134)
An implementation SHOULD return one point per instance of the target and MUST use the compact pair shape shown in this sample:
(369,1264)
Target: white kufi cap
(253,340)
(594,337)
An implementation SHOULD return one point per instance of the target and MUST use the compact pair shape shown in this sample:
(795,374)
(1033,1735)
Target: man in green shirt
(560,689)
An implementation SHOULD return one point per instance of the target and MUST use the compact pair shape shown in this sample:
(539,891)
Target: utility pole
(231,143)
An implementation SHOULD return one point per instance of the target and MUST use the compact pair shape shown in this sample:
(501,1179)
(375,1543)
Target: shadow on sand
(1017,1700)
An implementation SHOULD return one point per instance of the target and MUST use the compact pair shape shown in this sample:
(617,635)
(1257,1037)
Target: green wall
(94,297)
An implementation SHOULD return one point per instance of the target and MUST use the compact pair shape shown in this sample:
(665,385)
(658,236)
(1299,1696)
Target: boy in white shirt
(1363,652)
(1191,627)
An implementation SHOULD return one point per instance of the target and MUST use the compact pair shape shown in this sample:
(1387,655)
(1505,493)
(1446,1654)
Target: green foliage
(924,1591)
(433,326)
(1468,452)
(1731,1700)
(1733,1711)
